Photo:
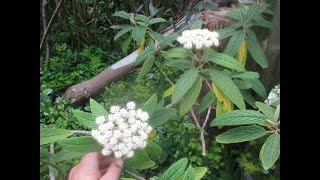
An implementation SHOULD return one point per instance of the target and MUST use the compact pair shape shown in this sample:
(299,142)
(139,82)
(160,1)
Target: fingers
(91,160)
(114,170)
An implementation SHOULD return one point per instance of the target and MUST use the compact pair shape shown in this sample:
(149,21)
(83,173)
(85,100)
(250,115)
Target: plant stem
(207,118)
(82,132)
(51,175)
(201,133)
(164,74)
(54,166)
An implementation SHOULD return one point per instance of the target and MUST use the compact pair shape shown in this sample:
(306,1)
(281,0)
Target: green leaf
(258,87)
(206,101)
(248,97)
(226,61)
(50,135)
(184,83)
(270,151)
(126,44)
(255,49)
(260,21)
(146,67)
(66,155)
(120,26)
(190,125)
(44,154)
(227,86)
(85,119)
(122,32)
(247,75)
(151,104)
(267,110)
(250,13)
(190,174)
(142,18)
(169,91)
(276,114)
(210,5)
(241,84)
(157,20)
(238,117)
(197,24)
(229,31)
(82,144)
(122,14)
(140,160)
(126,179)
(175,170)
(241,134)
(234,43)
(138,34)
(235,14)
(144,55)
(97,109)
(200,172)
(190,97)
(177,52)
(162,115)
(153,149)
(180,64)
(168,40)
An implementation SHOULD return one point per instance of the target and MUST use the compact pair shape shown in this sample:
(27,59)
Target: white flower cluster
(274,95)
(126,130)
(198,38)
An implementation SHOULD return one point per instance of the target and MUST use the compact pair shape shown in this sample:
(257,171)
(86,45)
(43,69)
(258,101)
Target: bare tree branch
(51,175)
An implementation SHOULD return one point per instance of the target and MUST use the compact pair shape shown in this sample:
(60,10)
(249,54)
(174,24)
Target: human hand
(95,166)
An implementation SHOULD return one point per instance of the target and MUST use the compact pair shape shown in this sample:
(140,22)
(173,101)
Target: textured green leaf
(126,44)
(120,26)
(189,125)
(277,114)
(190,174)
(270,151)
(177,52)
(184,83)
(144,55)
(258,87)
(247,75)
(153,149)
(256,50)
(227,86)
(238,117)
(97,109)
(229,31)
(190,97)
(241,134)
(200,172)
(50,135)
(241,84)
(85,119)
(226,61)
(162,115)
(140,160)
(168,40)
(122,14)
(169,91)
(66,155)
(146,67)
(248,97)
(138,34)
(175,170)
(82,144)
(235,14)
(250,13)
(122,32)
(157,20)
(234,43)
(44,154)
(206,101)
(180,64)
(151,104)
(197,24)
(260,21)
(267,110)
(142,18)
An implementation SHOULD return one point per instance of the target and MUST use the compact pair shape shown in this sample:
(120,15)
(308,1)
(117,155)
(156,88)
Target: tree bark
(133,6)
(44,22)
(83,91)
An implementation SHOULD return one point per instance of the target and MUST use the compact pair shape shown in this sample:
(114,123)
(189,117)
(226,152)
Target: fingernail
(119,162)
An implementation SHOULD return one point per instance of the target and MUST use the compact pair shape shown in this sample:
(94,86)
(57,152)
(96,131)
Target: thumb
(114,170)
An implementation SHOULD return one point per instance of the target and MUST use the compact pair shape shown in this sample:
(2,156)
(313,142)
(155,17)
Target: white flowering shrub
(126,130)
(273,96)
(198,38)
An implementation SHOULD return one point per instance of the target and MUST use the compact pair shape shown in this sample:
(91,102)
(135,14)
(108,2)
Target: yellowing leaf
(242,53)
(152,135)
(154,39)
(169,91)
(219,108)
(140,49)
(224,103)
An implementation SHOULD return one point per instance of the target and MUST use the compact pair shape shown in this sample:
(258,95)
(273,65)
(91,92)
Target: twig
(207,118)
(51,175)
(50,23)
(82,132)
(201,133)
(164,74)
(208,84)
(44,22)
(133,175)
(54,166)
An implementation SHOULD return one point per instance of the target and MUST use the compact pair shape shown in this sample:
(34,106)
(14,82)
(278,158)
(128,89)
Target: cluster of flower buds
(125,130)
(198,38)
